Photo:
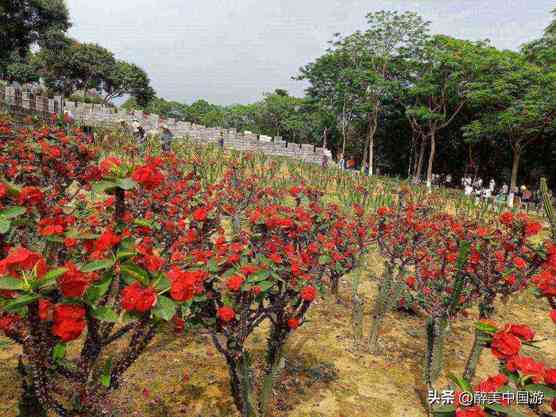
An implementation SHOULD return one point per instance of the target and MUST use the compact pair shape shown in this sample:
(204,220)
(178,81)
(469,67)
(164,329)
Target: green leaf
(20,301)
(104,186)
(59,351)
(460,382)
(265,285)
(126,249)
(165,308)
(212,266)
(97,290)
(324,259)
(444,411)
(12,212)
(75,234)
(548,392)
(258,276)
(5,225)
(126,184)
(105,376)
(49,278)
(55,239)
(97,265)
(506,410)
(151,224)
(105,314)
(10,283)
(162,283)
(485,327)
(135,272)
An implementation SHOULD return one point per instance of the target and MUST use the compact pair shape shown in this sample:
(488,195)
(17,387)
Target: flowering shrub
(518,373)
(89,269)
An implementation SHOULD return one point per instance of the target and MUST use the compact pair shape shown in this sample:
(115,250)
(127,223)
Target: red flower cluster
(73,283)
(226,314)
(184,285)
(137,298)
(69,321)
(148,176)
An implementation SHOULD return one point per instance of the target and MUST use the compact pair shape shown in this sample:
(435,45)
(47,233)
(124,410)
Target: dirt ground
(323,377)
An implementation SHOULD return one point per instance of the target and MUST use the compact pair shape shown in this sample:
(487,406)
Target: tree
(126,78)
(437,85)
(542,51)
(391,37)
(26,22)
(522,101)
(331,84)
(275,109)
(74,66)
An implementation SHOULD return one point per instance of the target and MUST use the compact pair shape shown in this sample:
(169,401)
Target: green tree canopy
(27,22)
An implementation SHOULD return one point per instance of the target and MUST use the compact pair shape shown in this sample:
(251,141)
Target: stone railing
(101,115)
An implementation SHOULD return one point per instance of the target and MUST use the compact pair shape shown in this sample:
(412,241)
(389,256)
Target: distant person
(342,162)
(325,161)
(166,138)
(138,132)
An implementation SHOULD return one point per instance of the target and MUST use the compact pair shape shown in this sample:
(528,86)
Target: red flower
(506,218)
(8,322)
(45,309)
(553,316)
(471,412)
(249,269)
(106,241)
(308,293)
(410,281)
(30,195)
(492,384)
(519,263)
(3,190)
(505,345)
(137,298)
(107,165)
(226,314)
(74,282)
(146,301)
(200,214)
(382,211)
(532,228)
(234,282)
(20,257)
(69,321)
(274,257)
(153,263)
(293,323)
(522,331)
(550,376)
(148,176)
(184,285)
(526,366)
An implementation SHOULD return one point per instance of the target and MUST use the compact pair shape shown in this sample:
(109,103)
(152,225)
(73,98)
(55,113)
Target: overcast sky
(231,51)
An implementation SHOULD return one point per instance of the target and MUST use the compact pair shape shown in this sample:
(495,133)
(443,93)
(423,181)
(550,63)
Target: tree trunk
(365,151)
(431,158)
(373,124)
(515,169)
(419,168)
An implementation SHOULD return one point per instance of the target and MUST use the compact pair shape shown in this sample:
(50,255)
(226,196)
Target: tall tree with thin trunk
(437,85)
(521,98)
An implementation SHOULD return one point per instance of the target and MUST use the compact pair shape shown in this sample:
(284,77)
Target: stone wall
(101,115)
